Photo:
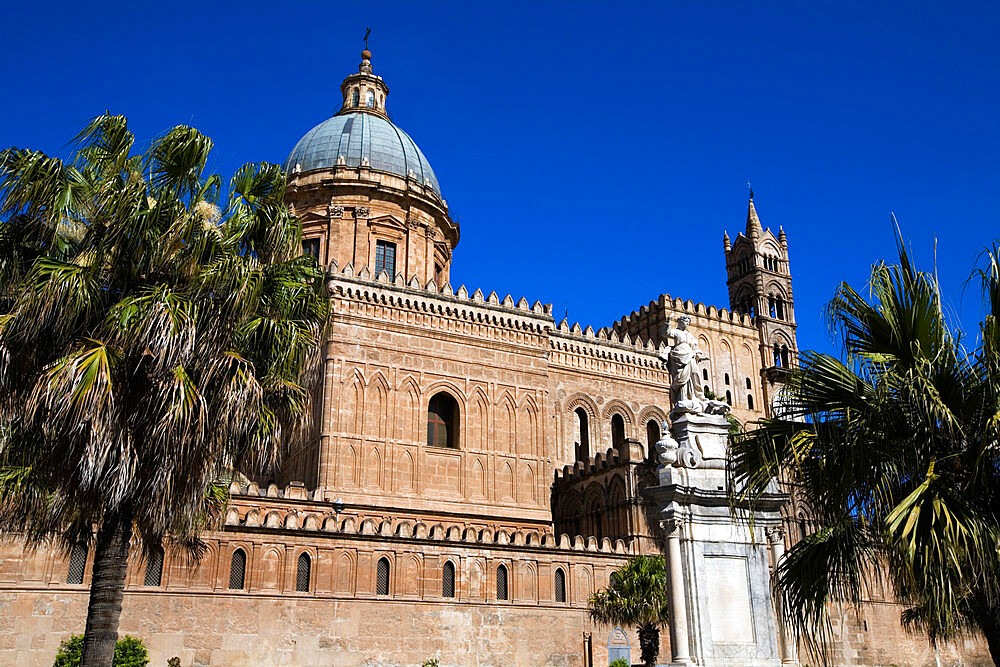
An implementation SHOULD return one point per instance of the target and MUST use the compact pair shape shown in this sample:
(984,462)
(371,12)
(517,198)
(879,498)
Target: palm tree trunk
(106,589)
(649,644)
(987,616)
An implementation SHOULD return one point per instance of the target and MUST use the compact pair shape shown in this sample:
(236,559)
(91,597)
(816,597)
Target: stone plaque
(729,599)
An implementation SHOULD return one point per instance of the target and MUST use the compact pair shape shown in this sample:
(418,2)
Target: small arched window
(704,374)
(238,570)
(727,378)
(77,563)
(652,436)
(355,97)
(382,577)
(777,355)
(442,421)
(618,432)
(749,384)
(780,307)
(501,582)
(370,99)
(583,432)
(448,580)
(560,585)
(154,567)
(802,527)
(784,356)
(729,397)
(771,308)
(303,573)
(750,401)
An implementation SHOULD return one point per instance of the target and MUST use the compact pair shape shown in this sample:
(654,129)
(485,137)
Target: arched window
(382,577)
(802,526)
(784,356)
(501,582)
(704,374)
(370,99)
(583,431)
(729,397)
(705,389)
(749,384)
(77,563)
(618,433)
(560,585)
(154,567)
(750,401)
(771,309)
(238,570)
(355,97)
(448,580)
(780,307)
(777,355)
(727,378)
(303,573)
(652,436)
(442,421)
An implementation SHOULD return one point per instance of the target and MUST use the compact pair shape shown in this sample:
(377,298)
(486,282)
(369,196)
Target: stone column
(786,643)
(678,601)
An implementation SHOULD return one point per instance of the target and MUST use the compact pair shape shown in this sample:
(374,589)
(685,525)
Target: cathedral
(478,468)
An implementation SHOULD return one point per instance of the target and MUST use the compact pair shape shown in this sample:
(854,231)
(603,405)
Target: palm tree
(637,596)
(896,450)
(151,342)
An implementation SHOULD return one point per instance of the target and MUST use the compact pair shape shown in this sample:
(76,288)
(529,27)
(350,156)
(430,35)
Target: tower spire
(753,222)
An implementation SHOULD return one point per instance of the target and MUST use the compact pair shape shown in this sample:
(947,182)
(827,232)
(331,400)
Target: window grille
(448,580)
(560,585)
(302,573)
(501,582)
(77,563)
(238,570)
(382,578)
(385,258)
(154,567)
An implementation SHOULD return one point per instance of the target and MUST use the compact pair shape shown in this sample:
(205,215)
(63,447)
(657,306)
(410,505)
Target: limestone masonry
(478,469)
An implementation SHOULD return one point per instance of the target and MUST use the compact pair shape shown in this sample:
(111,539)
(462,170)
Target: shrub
(129,652)
(620,662)
(433,662)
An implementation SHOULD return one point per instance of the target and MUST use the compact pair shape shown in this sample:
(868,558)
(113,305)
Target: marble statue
(682,362)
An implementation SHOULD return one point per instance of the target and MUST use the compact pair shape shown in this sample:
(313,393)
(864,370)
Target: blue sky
(594,153)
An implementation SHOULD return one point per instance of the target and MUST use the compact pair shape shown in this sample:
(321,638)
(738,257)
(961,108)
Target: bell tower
(760,285)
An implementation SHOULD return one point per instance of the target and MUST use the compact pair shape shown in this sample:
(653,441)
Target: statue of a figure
(682,362)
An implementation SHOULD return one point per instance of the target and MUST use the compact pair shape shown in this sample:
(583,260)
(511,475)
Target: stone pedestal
(723,565)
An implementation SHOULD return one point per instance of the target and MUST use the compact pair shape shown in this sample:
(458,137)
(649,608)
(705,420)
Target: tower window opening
(727,378)
(560,585)
(501,582)
(652,436)
(729,397)
(303,573)
(583,430)
(780,307)
(750,401)
(355,97)
(382,577)
(771,308)
(238,570)
(777,355)
(448,580)
(749,384)
(311,247)
(442,421)
(704,374)
(370,99)
(618,433)
(705,389)
(784,356)
(385,258)
(154,567)
(77,563)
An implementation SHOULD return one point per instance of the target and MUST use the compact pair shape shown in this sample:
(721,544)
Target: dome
(361,137)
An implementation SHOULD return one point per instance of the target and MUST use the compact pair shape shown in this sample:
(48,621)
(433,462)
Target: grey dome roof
(361,136)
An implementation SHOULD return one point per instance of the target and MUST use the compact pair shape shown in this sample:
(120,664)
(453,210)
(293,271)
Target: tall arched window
(777,355)
(560,585)
(729,397)
(750,401)
(77,563)
(727,378)
(442,421)
(303,573)
(749,384)
(355,97)
(704,374)
(370,99)
(780,307)
(652,436)
(382,577)
(583,432)
(784,356)
(501,582)
(771,308)
(618,433)
(238,570)
(448,580)
(154,567)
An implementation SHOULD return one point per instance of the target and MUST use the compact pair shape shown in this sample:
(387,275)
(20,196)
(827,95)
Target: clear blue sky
(595,153)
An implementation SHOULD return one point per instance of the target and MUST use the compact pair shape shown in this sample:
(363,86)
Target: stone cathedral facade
(479,468)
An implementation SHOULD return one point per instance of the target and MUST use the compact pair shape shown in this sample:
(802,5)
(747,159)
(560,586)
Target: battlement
(600,463)
(256,508)
(688,307)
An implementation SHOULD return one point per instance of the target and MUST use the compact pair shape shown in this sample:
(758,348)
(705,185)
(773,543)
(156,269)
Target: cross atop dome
(364,91)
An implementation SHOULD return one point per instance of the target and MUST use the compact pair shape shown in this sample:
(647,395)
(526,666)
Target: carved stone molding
(336,211)
(362,212)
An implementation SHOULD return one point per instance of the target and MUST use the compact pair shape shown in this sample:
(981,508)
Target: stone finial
(726,242)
